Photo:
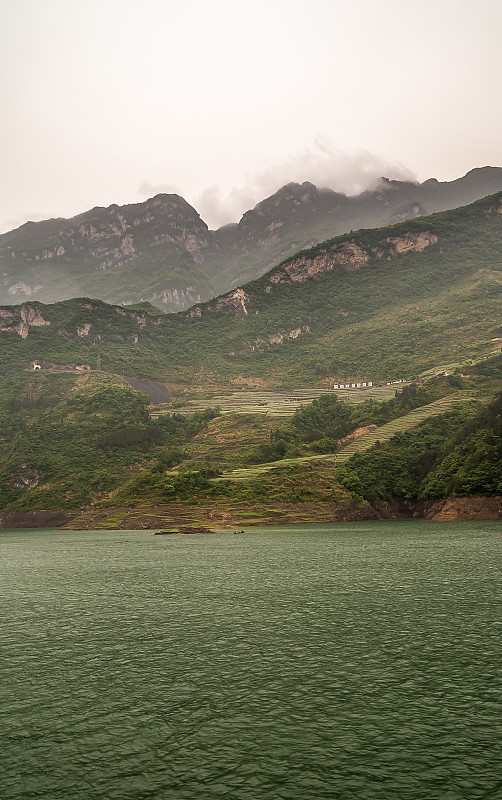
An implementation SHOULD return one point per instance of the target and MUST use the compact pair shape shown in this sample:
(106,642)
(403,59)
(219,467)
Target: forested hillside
(376,304)
(89,442)
(418,298)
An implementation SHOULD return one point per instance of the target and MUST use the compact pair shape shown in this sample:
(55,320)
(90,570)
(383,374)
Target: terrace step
(276,404)
(381,434)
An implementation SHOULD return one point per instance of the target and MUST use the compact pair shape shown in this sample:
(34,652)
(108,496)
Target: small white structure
(36,365)
(355,385)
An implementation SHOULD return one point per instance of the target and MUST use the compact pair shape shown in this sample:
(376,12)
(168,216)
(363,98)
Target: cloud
(323,165)
(219,208)
(150,189)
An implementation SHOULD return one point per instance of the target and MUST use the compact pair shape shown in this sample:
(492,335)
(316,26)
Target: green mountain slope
(372,305)
(87,441)
(456,454)
(66,441)
(162,252)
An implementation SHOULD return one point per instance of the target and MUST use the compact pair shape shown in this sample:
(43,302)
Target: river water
(345,662)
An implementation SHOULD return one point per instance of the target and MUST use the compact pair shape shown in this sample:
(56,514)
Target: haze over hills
(162,252)
(374,304)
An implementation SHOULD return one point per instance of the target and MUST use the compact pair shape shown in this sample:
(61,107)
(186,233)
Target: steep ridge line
(180,262)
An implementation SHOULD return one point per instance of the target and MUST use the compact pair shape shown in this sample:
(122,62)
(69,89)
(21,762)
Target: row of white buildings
(369,384)
(364,385)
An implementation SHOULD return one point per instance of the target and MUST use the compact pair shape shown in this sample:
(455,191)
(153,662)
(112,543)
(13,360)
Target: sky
(113,101)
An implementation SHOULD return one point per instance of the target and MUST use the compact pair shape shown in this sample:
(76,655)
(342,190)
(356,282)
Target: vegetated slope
(69,442)
(162,252)
(329,428)
(458,453)
(302,215)
(374,305)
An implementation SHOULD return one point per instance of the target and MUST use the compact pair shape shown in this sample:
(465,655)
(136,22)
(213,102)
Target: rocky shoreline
(176,515)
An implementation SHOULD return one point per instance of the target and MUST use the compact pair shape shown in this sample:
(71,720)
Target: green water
(350,662)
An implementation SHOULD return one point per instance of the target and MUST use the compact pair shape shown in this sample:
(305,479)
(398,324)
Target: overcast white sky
(111,101)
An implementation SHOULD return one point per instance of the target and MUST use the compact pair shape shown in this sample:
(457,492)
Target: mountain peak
(161,251)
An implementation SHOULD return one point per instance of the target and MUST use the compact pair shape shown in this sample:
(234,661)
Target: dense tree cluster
(458,453)
(81,445)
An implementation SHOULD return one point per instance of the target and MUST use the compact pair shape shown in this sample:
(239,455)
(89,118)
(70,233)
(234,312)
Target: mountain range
(417,300)
(162,252)
(373,304)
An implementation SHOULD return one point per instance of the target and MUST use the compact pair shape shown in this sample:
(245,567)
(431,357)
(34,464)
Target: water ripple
(357,662)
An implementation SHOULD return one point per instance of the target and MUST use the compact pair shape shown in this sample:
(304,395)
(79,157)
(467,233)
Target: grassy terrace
(382,434)
(401,424)
(274,404)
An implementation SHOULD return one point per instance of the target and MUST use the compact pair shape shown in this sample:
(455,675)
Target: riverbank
(148,517)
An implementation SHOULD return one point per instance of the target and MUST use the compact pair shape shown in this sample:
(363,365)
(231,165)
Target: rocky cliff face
(20,319)
(348,255)
(295,205)
(160,239)
(82,321)
(111,235)
(161,251)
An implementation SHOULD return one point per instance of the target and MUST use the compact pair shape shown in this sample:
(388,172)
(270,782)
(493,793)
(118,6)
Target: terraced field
(274,404)
(382,434)
(385,432)
(226,439)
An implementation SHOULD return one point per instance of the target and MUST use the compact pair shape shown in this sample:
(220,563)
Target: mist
(323,165)
(151,189)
